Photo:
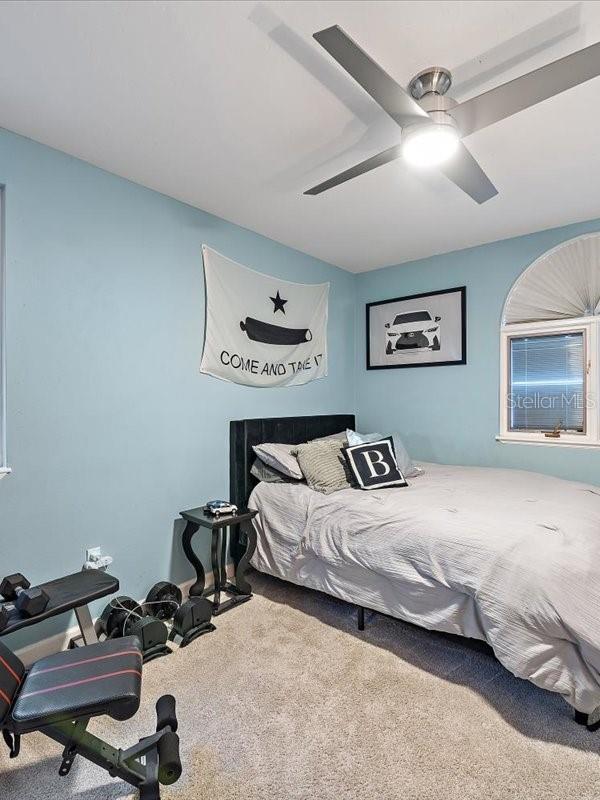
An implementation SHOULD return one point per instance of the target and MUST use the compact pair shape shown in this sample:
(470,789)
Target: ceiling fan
(433,124)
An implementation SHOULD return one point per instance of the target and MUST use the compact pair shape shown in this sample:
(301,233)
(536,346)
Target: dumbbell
(163,600)
(28,600)
(191,620)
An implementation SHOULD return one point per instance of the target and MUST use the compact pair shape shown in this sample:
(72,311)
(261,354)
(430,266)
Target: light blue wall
(112,430)
(450,414)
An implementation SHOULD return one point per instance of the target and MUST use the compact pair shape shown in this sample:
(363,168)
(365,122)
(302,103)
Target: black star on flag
(278,303)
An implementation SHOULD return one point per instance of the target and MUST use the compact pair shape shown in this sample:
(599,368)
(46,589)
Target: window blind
(563,283)
(547,382)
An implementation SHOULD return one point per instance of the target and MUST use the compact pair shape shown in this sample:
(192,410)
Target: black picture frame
(463,329)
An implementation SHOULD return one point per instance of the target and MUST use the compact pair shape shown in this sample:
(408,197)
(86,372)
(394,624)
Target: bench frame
(138,765)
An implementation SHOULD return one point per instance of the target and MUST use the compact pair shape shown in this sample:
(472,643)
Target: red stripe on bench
(11,670)
(5,697)
(83,680)
(89,661)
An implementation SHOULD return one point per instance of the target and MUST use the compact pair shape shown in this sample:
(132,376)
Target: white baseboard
(54,644)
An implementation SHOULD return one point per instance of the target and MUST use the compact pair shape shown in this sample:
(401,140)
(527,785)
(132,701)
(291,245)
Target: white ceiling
(234,108)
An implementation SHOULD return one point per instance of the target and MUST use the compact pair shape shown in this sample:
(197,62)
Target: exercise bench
(70,593)
(61,693)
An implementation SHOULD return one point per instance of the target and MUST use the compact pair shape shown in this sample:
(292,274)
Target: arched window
(550,349)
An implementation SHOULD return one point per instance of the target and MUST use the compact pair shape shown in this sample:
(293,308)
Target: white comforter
(507,556)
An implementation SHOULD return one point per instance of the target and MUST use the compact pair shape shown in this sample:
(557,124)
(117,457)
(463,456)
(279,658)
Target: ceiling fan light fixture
(430,145)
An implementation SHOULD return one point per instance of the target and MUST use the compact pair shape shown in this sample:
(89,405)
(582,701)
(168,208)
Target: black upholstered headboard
(244,433)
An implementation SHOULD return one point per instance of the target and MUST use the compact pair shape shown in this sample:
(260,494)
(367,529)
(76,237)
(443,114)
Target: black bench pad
(65,594)
(103,678)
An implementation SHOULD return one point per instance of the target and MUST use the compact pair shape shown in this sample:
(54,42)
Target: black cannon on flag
(268,333)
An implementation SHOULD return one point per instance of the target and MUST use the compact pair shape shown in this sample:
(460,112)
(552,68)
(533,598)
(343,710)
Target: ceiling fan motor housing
(429,88)
(431,80)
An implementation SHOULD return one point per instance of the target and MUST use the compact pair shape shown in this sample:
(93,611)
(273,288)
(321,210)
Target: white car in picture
(412,330)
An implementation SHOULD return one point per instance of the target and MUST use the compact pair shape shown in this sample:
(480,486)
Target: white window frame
(4,468)
(590,327)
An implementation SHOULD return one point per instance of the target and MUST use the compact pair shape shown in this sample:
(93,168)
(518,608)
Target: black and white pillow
(374,464)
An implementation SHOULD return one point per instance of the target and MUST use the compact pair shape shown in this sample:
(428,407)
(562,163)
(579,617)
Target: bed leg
(361,618)
(584,719)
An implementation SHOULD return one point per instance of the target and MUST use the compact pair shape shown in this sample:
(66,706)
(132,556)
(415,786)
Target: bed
(504,556)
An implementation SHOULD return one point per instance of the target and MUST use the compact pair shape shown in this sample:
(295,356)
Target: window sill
(4,471)
(543,441)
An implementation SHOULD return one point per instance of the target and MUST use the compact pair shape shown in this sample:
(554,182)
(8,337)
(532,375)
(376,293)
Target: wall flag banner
(260,330)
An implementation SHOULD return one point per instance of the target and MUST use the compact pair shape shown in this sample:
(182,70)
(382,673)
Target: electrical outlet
(95,560)
(93,553)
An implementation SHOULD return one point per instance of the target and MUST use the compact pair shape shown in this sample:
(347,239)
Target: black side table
(239,592)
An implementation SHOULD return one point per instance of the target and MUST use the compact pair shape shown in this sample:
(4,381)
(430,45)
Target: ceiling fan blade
(466,173)
(373,79)
(529,89)
(359,169)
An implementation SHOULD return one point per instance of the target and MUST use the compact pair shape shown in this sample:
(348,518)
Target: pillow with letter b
(374,464)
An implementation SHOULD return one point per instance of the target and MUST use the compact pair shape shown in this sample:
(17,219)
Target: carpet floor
(288,701)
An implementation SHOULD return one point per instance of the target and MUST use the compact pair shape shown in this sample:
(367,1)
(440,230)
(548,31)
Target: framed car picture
(422,330)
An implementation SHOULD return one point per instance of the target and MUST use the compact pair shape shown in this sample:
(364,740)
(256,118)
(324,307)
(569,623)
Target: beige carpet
(288,700)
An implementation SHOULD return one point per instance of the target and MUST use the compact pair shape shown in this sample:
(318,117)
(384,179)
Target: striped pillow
(323,465)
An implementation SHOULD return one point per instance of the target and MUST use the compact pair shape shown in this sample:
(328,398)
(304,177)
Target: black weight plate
(163,600)
(115,615)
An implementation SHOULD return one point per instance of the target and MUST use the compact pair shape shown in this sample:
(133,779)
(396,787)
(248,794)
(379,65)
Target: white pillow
(279,456)
(405,464)
(362,438)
